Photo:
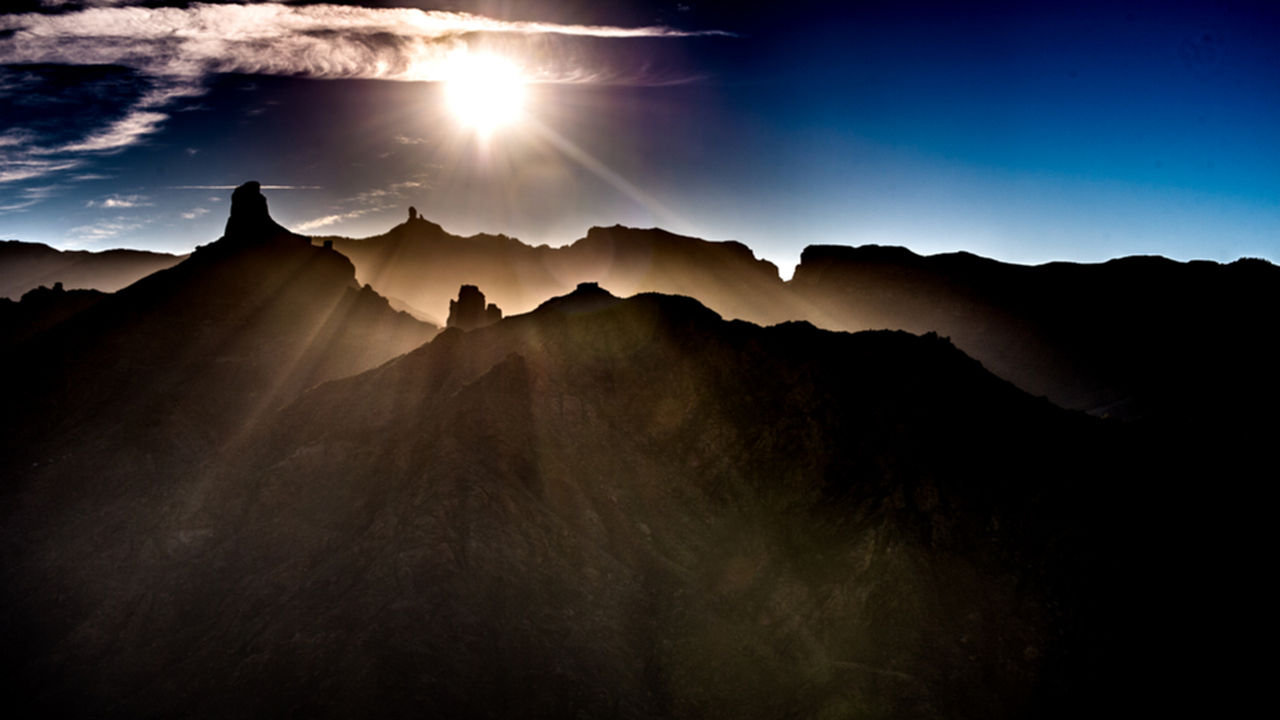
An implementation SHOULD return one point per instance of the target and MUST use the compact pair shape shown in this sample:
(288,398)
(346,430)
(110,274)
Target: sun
(484,92)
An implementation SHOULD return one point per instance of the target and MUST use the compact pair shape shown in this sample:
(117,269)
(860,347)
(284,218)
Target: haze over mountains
(247,486)
(27,266)
(1119,338)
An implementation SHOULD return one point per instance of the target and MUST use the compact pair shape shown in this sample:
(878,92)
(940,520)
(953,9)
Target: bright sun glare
(485,92)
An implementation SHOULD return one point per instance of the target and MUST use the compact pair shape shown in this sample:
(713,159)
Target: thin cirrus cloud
(116,202)
(369,201)
(177,48)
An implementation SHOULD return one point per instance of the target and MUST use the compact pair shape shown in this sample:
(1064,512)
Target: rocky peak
(249,218)
(469,310)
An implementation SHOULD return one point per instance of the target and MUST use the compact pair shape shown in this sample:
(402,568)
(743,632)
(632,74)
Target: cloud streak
(320,41)
(177,48)
(369,201)
(120,201)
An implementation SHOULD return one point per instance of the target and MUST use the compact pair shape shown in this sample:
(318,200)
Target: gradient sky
(1027,132)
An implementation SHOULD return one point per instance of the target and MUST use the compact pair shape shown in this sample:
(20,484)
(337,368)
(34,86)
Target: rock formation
(249,220)
(469,310)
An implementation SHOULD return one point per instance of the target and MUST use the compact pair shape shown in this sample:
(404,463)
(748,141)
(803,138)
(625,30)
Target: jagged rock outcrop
(250,221)
(469,310)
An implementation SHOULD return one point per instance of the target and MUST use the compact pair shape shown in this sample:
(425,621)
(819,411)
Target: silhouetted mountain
(421,263)
(1131,338)
(168,369)
(623,508)
(25,266)
(1137,336)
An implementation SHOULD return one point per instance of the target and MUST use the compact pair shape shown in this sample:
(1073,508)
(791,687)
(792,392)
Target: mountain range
(27,266)
(1120,338)
(247,486)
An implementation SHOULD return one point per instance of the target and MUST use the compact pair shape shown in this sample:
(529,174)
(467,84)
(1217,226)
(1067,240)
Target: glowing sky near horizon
(1010,130)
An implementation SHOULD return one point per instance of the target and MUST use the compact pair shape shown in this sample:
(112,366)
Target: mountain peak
(249,219)
(587,297)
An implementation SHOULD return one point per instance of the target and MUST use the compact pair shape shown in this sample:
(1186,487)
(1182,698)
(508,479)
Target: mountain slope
(25,266)
(628,508)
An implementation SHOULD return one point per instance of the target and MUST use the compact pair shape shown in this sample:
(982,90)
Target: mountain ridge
(1082,334)
(24,266)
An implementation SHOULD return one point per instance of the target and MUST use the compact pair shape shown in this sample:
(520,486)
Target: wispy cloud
(105,230)
(18,166)
(194,213)
(120,201)
(177,48)
(321,41)
(365,203)
(27,197)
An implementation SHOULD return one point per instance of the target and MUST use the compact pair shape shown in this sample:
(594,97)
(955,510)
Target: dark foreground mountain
(604,508)
(25,266)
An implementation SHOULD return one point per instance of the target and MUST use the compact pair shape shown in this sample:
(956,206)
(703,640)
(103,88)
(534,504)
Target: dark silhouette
(421,264)
(170,368)
(469,310)
(41,309)
(1131,338)
(604,507)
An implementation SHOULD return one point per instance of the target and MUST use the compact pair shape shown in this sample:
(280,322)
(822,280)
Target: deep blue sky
(1023,131)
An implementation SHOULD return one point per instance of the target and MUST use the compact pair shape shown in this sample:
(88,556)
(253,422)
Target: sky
(1026,132)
